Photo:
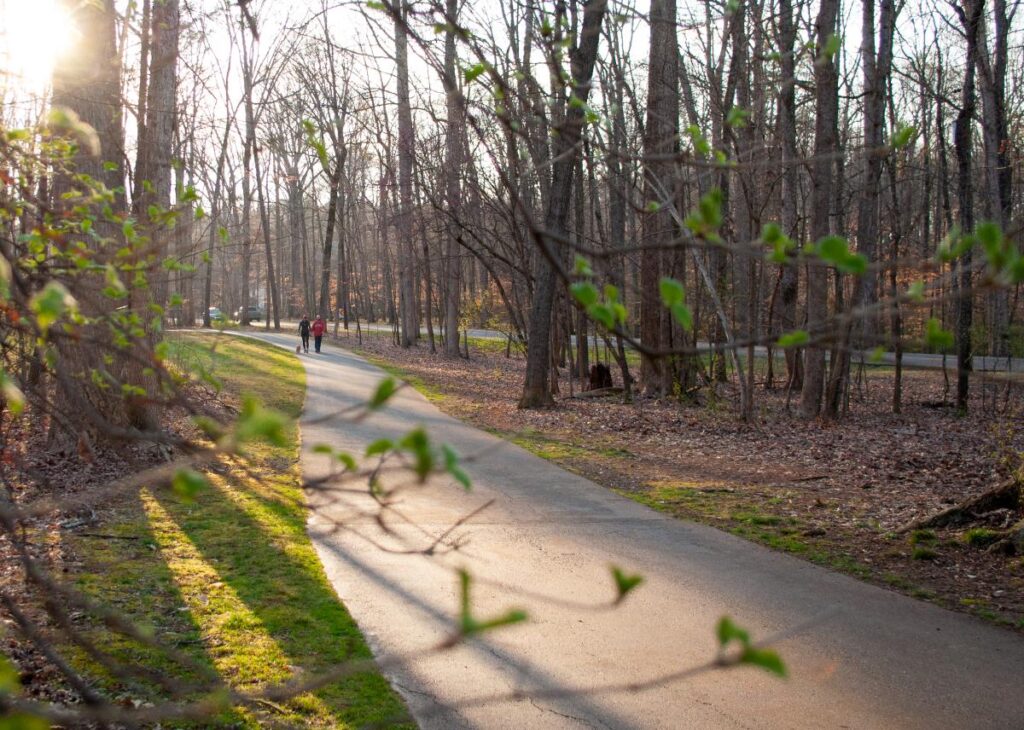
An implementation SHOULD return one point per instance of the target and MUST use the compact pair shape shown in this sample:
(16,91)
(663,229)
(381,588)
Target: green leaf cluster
(835,250)
(730,634)
(624,583)
(425,458)
(706,220)
(936,337)
(258,423)
(781,244)
(673,296)
(608,312)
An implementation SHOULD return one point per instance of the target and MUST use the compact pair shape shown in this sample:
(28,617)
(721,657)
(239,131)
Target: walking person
(319,327)
(304,332)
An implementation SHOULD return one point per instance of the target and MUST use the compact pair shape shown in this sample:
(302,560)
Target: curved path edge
(859,656)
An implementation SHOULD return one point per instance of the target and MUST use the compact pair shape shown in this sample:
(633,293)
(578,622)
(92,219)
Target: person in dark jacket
(304,332)
(319,327)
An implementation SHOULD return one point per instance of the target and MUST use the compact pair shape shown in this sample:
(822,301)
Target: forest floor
(225,583)
(837,494)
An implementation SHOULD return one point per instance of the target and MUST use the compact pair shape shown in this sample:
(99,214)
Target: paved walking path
(866,657)
(982,364)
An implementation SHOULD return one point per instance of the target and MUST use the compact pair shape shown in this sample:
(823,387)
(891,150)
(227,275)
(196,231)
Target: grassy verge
(230,578)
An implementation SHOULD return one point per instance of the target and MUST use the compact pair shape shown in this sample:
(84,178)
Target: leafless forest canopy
(810,171)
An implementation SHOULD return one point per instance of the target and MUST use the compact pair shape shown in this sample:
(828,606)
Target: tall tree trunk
(140,116)
(324,308)
(661,141)
(536,387)
(261,200)
(877,63)
(992,69)
(825,145)
(971,17)
(790,275)
(409,324)
(453,192)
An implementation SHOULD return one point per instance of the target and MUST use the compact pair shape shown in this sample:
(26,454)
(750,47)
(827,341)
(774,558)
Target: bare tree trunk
(536,387)
(140,116)
(992,69)
(275,300)
(324,308)
(790,275)
(453,193)
(877,64)
(661,140)
(825,145)
(971,16)
(409,319)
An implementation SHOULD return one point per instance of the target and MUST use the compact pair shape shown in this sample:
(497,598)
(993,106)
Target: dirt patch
(834,493)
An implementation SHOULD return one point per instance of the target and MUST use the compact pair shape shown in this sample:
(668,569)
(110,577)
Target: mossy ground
(230,578)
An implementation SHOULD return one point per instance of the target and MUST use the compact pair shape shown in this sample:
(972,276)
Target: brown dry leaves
(847,486)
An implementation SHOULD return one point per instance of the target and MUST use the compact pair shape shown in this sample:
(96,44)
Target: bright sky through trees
(33,33)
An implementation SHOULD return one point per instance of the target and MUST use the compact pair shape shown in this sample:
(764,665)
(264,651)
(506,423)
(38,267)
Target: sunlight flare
(33,36)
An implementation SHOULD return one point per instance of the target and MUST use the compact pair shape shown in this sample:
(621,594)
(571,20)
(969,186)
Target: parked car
(256,313)
(215,314)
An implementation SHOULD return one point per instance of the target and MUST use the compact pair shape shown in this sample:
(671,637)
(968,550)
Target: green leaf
(990,236)
(604,314)
(737,117)
(581,266)
(451,465)
(624,583)
(12,394)
(474,72)
(876,355)
(468,625)
(585,293)
(323,449)
(833,249)
(50,304)
(380,446)
(903,136)
(9,677)
(417,443)
(256,423)
(209,427)
(936,337)
(385,389)
(672,291)
(728,631)
(701,146)
(347,460)
(683,315)
(5,279)
(764,658)
(187,483)
(915,292)
(832,46)
(796,338)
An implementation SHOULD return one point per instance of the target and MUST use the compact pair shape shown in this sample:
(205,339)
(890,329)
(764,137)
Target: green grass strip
(231,577)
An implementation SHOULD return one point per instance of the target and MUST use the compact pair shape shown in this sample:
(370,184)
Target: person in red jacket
(319,327)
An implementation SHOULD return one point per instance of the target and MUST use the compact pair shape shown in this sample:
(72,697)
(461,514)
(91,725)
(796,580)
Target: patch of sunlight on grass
(244,652)
(231,577)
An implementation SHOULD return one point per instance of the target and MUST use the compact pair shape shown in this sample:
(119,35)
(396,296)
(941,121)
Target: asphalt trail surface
(859,656)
